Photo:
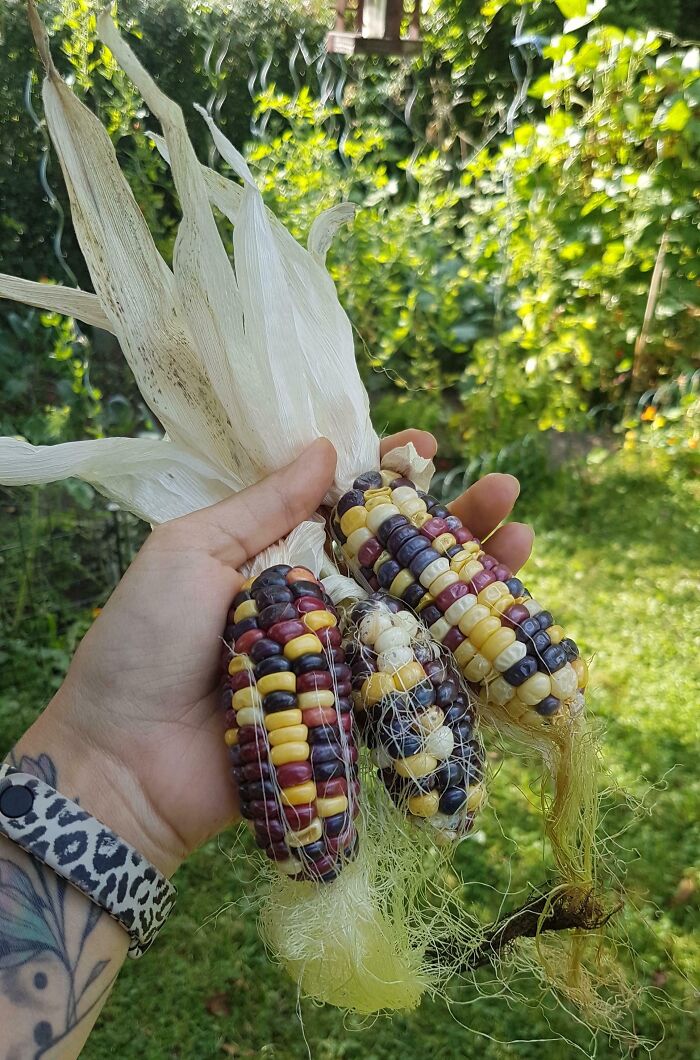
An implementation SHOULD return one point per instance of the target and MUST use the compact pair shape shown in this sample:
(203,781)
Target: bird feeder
(376,27)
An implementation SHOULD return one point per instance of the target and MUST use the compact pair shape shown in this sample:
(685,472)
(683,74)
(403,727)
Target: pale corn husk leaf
(324,228)
(325,341)
(134,285)
(204,279)
(72,303)
(156,480)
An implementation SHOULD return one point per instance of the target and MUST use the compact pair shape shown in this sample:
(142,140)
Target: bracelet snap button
(16,800)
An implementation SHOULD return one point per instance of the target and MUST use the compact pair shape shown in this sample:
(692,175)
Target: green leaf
(675,118)
(572,8)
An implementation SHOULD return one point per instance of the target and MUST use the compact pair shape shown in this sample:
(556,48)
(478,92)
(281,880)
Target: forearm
(59,952)
(59,957)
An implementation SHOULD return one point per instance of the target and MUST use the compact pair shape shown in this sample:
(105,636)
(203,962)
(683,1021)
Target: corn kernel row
(399,539)
(287,696)
(415,717)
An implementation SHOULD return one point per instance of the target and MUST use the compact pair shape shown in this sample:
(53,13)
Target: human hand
(137,725)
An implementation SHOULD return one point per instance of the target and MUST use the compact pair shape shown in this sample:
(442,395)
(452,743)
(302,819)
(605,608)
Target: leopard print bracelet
(78,847)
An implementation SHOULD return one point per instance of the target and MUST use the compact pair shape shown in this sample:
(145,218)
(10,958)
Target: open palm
(140,702)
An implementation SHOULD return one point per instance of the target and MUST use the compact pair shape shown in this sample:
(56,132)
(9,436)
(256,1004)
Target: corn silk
(245,362)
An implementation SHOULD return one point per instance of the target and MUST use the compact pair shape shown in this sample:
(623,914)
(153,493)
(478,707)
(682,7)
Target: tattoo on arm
(59,955)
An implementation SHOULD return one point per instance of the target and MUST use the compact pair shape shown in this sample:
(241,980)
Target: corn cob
(505,644)
(286,692)
(415,716)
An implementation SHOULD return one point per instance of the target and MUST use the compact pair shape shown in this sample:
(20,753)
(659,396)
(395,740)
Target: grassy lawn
(617,560)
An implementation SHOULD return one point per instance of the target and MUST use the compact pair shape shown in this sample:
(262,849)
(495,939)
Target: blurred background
(523,280)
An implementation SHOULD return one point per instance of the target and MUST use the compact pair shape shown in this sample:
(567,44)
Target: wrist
(101,783)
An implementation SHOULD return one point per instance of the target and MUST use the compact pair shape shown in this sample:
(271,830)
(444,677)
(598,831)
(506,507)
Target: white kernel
(373,625)
(379,515)
(406,621)
(439,630)
(459,608)
(500,692)
(510,656)
(440,743)
(433,571)
(392,660)
(391,638)
(356,540)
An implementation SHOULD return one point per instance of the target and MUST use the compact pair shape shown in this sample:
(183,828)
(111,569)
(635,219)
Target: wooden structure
(376,27)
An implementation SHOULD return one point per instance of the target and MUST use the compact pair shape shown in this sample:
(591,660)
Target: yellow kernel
(443,542)
(231,737)
(476,798)
(425,805)
(247,583)
(277,682)
(310,834)
(381,559)
(317,697)
(580,668)
(556,634)
(314,620)
(239,663)
(353,519)
(420,518)
(329,807)
(469,570)
(249,716)
(299,794)
(491,593)
(473,616)
(379,509)
(497,643)
(502,604)
(375,687)
(388,476)
(425,602)
(464,653)
(449,577)
(380,495)
(282,718)
(477,669)
(289,752)
(248,609)
(401,583)
(468,553)
(534,689)
(306,644)
(430,720)
(290,734)
(414,508)
(408,676)
(481,632)
(416,766)
(245,697)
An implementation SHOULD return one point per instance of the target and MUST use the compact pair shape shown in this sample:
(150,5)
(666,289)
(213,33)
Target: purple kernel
(352,499)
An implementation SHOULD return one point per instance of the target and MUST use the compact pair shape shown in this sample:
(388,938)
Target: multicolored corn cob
(415,716)
(286,692)
(506,644)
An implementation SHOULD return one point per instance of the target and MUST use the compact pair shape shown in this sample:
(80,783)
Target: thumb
(237,528)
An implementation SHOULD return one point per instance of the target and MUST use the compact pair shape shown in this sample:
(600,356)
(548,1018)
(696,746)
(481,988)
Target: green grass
(617,560)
